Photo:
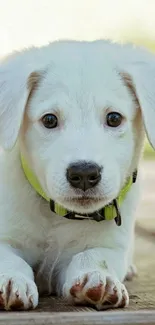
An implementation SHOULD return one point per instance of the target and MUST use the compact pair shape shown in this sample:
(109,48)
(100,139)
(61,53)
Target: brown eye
(50,121)
(114,119)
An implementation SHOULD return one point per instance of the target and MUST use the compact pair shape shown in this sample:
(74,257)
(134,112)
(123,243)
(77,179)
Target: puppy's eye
(50,121)
(114,119)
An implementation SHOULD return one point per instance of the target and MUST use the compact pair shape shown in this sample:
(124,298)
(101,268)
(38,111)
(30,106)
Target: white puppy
(73,115)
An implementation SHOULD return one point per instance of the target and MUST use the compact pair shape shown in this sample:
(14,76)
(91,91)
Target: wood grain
(92,318)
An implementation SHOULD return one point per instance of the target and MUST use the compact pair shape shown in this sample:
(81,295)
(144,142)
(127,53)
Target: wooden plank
(92,318)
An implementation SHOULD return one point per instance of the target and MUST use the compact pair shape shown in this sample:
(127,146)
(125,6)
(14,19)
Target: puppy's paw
(17,292)
(95,288)
(131,273)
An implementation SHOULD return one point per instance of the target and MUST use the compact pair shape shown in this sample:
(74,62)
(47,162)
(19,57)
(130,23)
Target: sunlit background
(26,22)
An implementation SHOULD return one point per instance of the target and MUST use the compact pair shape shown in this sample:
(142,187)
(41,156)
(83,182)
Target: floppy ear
(140,80)
(16,83)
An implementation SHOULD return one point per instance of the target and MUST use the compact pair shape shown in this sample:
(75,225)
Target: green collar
(109,212)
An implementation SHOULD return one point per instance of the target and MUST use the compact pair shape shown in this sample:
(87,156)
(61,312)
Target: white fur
(80,82)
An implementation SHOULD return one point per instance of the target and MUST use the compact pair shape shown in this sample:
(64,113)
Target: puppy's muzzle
(83,175)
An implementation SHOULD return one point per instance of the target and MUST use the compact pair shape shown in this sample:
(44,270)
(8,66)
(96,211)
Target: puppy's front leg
(95,276)
(17,287)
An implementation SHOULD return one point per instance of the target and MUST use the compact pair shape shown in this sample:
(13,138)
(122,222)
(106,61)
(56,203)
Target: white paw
(131,273)
(17,292)
(98,289)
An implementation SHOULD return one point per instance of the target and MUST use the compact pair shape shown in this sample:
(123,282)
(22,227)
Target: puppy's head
(78,110)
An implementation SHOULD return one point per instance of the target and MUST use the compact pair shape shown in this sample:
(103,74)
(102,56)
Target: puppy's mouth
(84,200)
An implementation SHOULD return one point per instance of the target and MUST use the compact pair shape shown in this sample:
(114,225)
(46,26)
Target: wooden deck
(142,289)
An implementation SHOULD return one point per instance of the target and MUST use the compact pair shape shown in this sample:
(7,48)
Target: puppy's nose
(84,175)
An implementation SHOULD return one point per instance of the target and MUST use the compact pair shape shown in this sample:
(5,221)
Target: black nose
(84,175)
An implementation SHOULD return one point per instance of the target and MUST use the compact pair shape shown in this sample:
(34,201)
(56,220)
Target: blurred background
(37,22)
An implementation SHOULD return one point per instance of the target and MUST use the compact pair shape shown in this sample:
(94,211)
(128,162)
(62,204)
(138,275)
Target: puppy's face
(79,132)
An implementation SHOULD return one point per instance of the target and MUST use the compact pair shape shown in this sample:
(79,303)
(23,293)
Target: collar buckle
(118,219)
